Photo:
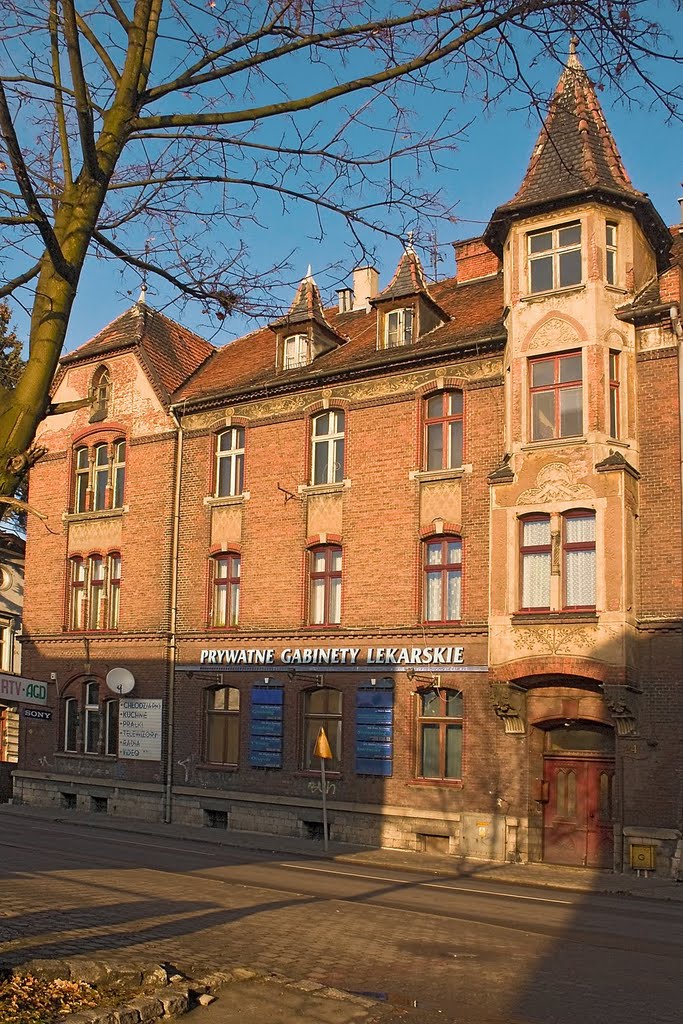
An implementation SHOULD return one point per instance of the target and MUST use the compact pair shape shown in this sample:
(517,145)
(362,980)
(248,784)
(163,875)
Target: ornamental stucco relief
(555,483)
(553,333)
(398,384)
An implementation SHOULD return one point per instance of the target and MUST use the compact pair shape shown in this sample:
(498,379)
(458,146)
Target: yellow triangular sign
(322,746)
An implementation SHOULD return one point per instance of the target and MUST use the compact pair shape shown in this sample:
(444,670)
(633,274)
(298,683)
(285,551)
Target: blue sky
(485,170)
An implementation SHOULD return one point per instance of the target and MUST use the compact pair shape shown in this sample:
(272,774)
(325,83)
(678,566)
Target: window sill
(539,296)
(208,767)
(429,475)
(105,758)
(616,289)
(545,617)
(452,783)
(313,489)
(104,513)
(554,442)
(105,631)
(230,499)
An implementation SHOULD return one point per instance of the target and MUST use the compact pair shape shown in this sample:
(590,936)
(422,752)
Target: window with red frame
(230,462)
(99,474)
(556,396)
(94,589)
(443,420)
(578,548)
(325,585)
(443,579)
(327,447)
(578,570)
(225,600)
(536,561)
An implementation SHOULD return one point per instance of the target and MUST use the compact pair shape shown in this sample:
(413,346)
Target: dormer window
(554,258)
(295,351)
(398,328)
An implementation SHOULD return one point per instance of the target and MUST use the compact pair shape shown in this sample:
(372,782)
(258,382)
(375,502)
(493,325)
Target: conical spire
(576,157)
(307,307)
(409,278)
(575,149)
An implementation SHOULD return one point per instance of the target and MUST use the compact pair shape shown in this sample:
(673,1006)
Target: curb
(175,996)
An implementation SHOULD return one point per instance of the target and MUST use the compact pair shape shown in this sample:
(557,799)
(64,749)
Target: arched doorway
(578,774)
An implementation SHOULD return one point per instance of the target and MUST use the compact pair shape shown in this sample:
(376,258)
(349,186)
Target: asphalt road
(474,952)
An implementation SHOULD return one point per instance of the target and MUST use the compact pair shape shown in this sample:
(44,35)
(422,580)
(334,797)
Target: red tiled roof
(171,351)
(475,308)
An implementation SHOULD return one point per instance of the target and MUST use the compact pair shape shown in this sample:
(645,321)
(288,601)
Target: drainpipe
(677,327)
(173,618)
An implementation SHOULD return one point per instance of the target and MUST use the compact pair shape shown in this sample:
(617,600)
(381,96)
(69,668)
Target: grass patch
(29,1000)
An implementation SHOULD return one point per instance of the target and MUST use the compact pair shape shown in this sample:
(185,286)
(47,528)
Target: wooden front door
(577,819)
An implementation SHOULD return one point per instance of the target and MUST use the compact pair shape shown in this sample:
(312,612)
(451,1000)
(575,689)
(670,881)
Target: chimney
(345,296)
(680,203)
(365,286)
(474,259)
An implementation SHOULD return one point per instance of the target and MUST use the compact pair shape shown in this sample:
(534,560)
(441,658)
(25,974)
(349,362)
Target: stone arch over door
(571,769)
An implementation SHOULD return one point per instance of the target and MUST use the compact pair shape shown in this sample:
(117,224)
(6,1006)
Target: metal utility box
(643,857)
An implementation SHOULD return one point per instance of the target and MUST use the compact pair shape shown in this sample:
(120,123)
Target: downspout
(677,328)
(172,625)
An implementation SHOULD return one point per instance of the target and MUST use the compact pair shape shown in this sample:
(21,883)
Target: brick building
(442,520)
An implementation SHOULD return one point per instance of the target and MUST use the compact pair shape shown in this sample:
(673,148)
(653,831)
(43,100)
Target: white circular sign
(120,680)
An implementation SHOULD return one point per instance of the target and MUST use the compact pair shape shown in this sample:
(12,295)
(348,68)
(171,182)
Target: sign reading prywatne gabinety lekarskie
(411,657)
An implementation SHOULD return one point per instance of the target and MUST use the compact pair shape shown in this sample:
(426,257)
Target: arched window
(91,718)
(81,479)
(71,724)
(101,394)
(118,473)
(96,582)
(443,420)
(94,591)
(114,574)
(443,579)
(440,725)
(230,462)
(100,477)
(77,593)
(325,564)
(225,596)
(322,708)
(295,351)
(327,451)
(222,727)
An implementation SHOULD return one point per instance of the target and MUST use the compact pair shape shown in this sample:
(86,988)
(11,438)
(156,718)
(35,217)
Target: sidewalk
(539,875)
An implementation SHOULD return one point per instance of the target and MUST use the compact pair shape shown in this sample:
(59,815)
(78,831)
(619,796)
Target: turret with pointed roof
(576,158)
